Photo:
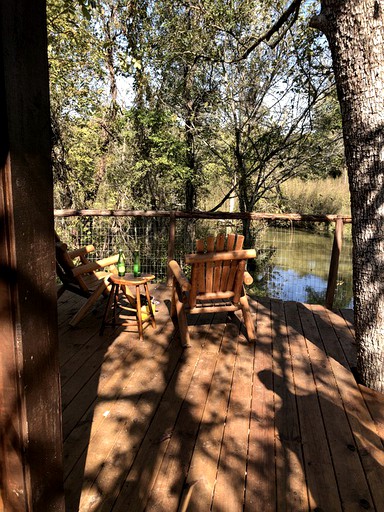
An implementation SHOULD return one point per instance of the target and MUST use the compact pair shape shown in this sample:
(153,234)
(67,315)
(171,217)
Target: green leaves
(157,93)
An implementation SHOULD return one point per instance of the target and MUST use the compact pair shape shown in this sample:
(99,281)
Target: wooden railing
(173,215)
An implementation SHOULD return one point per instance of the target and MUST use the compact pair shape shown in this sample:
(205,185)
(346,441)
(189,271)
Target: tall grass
(329,196)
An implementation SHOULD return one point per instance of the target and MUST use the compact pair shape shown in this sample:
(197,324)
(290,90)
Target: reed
(316,196)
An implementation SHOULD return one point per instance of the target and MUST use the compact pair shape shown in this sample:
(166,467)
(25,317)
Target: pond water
(294,265)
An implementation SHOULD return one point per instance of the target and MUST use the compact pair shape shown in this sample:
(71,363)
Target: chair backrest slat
(210,277)
(220,242)
(218,266)
(239,242)
(238,282)
(226,265)
(200,268)
(231,239)
(233,268)
(209,265)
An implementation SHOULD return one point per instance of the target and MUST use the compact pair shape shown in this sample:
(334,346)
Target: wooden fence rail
(173,215)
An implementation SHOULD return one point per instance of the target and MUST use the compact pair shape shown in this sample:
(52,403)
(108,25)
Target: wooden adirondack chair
(81,276)
(216,284)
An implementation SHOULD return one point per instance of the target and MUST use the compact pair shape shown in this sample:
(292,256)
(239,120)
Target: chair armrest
(179,275)
(105,262)
(82,251)
(94,265)
(247,279)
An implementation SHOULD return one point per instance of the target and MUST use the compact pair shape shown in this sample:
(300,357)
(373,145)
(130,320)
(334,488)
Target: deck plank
(348,315)
(375,404)
(260,493)
(168,487)
(222,425)
(230,480)
(351,480)
(365,434)
(345,334)
(202,472)
(290,475)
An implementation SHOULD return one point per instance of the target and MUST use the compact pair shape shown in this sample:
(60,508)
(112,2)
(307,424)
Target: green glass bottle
(136,264)
(121,264)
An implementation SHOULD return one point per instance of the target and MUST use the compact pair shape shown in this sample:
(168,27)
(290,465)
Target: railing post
(171,245)
(334,265)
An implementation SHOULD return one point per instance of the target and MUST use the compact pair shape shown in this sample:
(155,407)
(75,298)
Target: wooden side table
(120,283)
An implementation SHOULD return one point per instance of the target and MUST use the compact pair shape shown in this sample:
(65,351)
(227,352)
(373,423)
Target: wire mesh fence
(292,259)
(148,235)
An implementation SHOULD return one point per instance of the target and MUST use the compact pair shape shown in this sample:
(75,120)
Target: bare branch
(292,9)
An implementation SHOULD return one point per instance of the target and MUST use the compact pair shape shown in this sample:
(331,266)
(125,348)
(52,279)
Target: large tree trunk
(355,30)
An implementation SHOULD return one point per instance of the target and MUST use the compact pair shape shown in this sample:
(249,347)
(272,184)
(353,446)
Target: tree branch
(292,9)
(319,22)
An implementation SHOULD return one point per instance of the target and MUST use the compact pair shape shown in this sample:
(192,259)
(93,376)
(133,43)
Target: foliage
(153,105)
(156,179)
(315,197)
(77,102)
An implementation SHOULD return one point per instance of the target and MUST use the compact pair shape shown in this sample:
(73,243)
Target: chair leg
(182,324)
(248,320)
(90,302)
(173,312)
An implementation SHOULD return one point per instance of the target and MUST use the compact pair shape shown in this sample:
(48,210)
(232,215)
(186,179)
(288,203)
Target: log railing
(218,216)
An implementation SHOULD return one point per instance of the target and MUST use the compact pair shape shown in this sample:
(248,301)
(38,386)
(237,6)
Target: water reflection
(294,265)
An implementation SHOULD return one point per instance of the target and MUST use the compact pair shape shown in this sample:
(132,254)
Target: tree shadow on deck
(143,438)
(223,424)
(328,455)
(82,353)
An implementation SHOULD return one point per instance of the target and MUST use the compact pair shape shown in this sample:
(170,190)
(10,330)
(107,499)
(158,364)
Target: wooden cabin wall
(30,411)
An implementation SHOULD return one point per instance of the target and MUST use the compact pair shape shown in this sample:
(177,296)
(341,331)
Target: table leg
(115,301)
(107,308)
(138,313)
(150,310)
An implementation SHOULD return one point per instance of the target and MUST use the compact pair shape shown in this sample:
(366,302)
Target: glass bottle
(121,264)
(136,264)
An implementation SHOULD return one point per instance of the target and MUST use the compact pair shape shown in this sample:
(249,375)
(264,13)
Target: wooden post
(30,405)
(334,265)
(171,245)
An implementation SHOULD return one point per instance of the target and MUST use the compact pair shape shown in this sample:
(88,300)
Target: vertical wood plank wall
(30,408)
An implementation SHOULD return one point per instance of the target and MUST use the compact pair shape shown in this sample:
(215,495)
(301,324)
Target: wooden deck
(222,425)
